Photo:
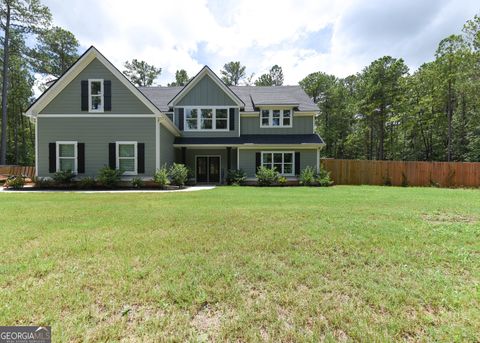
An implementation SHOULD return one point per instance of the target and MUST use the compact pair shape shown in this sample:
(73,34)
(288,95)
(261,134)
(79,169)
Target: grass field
(248,264)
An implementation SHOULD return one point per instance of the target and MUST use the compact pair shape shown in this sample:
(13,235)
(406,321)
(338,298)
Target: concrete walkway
(188,189)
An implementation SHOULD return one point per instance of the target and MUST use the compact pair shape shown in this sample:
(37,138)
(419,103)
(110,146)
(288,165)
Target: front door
(208,169)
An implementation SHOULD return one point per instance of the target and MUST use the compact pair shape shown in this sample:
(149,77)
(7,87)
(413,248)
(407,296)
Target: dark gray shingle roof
(253,139)
(252,96)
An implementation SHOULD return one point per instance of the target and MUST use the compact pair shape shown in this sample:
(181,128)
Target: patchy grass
(246,264)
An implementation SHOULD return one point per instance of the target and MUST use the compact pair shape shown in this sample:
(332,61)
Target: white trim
(206,71)
(75,155)
(117,157)
(36,146)
(90,95)
(283,158)
(219,167)
(100,115)
(318,160)
(157,144)
(199,119)
(238,158)
(270,119)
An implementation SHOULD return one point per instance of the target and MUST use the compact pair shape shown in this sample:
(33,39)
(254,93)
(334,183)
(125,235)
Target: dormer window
(276,118)
(95,95)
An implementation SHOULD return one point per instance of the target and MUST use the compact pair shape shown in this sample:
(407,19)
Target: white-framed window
(282,161)
(95,95)
(127,156)
(206,118)
(67,156)
(276,118)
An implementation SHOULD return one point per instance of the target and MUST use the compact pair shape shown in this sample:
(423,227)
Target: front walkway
(188,189)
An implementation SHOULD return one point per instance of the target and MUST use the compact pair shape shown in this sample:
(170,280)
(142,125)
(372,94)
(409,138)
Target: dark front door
(208,169)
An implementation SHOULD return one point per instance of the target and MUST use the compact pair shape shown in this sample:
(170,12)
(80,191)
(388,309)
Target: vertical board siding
(206,93)
(96,133)
(300,125)
(69,101)
(398,173)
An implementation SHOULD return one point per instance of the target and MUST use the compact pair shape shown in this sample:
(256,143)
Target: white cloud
(293,34)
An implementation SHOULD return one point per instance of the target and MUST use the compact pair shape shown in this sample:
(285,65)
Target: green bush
(266,176)
(63,177)
(307,176)
(86,183)
(41,182)
(323,178)
(282,180)
(161,177)
(137,182)
(236,177)
(16,182)
(179,174)
(109,178)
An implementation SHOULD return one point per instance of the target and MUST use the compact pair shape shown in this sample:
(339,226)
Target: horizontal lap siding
(300,125)
(96,133)
(69,100)
(167,151)
(308,157)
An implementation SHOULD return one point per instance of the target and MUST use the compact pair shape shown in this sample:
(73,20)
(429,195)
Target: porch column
(229,158)
(184,155)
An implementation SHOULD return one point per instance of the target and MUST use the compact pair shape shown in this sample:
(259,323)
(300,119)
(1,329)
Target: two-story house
(92,116)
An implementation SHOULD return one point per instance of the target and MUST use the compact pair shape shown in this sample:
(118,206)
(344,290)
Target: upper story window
(276,118)
(206,119)
(95,95)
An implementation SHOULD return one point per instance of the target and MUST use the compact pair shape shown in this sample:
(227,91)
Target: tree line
(382,112)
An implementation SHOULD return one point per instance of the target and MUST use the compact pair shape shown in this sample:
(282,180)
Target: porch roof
(291,139)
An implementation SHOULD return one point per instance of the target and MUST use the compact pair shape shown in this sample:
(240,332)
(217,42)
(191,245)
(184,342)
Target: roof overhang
(206,71)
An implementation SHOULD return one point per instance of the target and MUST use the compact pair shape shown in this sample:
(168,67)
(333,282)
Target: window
(95,95)
(206,119)
(276,118)
(281,161)
(67,156)
(127,157)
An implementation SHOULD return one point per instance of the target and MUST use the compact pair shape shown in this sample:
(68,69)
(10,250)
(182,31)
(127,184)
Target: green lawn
(276,264)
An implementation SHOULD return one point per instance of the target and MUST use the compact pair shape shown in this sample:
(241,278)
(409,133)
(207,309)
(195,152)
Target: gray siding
(206,92)
(300,125)
(167,151)
(69,99)
(233,133)
(308,157)
(96,133)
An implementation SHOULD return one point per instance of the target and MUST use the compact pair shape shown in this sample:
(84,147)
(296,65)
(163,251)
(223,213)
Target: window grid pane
(126,150)
(67,164)
(66,150)
(127,164)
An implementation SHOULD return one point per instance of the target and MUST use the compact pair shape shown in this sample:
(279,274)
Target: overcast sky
(303,36)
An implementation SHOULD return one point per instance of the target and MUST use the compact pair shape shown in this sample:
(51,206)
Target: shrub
(86,183)
(161,177)
(282,180)
(63,177)
(323,178)
(137,182)
(41,182)
(266,176)
(16,182)
(108,177)
(178,174)
(236,177)
(307,176)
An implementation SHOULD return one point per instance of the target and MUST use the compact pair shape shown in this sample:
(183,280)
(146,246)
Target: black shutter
(297,163)
(81,158)
(141,158)
(52,157)
(180,119)
(84,95)
(112,158)
(232,119)
(258,160)
(107,89)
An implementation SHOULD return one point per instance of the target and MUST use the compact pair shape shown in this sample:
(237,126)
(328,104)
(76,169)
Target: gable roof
(83,61)
(204,72)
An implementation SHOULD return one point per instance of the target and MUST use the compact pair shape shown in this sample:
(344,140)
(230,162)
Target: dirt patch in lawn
(449,218)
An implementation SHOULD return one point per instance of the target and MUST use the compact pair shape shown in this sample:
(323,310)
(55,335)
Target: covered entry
(207,169)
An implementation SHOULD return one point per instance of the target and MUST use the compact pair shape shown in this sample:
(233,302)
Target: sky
(338,37)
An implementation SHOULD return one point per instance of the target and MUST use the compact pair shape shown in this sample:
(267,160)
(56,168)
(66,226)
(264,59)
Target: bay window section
(276,118)
(282,162)
(206,119)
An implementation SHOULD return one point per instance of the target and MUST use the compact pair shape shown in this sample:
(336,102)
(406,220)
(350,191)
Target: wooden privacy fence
(398,173)
(27,171)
